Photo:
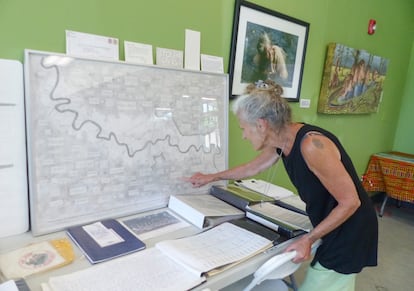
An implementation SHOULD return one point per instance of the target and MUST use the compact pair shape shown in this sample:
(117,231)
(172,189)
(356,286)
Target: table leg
(383,205)
(292,284)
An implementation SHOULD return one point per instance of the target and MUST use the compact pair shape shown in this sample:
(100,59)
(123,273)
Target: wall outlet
(304,103)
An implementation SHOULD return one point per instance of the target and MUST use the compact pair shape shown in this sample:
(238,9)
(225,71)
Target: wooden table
(392,173)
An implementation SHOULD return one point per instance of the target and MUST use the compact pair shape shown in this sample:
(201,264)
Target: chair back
(278,267)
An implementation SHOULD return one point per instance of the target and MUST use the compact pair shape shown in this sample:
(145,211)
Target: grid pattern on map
(107,139)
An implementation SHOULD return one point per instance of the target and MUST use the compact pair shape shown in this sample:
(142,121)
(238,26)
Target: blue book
(104,240)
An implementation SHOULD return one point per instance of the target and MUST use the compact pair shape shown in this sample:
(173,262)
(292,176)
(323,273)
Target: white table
(215,282)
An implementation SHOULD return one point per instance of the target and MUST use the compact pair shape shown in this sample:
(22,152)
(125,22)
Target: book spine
(290,207)
(186,211)
(228,197)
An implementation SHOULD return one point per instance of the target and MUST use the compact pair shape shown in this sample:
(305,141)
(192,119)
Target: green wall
(404,138)
(40,25)
(346,22)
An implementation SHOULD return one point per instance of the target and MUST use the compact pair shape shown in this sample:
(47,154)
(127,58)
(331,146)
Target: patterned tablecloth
(393,173)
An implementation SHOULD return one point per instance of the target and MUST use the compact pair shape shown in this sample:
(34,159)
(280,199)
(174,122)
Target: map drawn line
(65,101)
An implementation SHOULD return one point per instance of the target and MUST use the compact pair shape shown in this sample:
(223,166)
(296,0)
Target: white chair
(270,275)
(276,268)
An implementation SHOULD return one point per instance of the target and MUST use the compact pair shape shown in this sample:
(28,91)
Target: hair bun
(261,84)
(267,85)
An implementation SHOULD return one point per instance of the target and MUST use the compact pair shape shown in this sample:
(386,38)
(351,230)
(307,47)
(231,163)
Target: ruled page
(219,246)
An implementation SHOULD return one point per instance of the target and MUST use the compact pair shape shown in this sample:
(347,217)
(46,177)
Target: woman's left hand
(303,247)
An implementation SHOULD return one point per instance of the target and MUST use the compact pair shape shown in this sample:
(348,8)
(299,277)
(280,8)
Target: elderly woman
(340,210)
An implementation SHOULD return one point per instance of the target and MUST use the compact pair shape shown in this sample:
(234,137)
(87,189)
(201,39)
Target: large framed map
(109,139)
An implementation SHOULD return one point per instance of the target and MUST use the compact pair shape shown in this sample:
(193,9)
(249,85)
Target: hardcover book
(239,196)
(34,258)
(104,240)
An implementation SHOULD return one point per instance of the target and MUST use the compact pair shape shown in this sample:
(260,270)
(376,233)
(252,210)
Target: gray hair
(263,101)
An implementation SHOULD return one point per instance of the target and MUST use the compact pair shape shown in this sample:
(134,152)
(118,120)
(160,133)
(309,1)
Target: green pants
(319,278)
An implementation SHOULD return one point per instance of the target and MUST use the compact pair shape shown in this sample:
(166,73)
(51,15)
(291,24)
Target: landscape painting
(352,81)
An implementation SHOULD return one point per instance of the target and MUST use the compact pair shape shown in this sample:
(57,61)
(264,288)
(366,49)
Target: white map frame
(110,138)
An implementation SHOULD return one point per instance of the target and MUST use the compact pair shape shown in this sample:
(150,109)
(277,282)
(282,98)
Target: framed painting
(352,81)
(266,45)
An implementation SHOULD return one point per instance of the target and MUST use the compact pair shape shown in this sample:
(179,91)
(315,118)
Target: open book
(179,264)
(283,197)
(265,188)
(203,210)
(293,203)
(282,220)
(217,247)
(146,270)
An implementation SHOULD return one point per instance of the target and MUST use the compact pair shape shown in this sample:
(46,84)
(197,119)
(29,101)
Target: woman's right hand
(200,179)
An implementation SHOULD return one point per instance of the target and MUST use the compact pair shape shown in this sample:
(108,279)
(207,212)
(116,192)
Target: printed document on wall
(91,46)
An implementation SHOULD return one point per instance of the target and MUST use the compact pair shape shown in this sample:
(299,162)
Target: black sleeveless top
(351,246)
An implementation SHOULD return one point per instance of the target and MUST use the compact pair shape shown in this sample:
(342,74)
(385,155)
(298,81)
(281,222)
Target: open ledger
(293,203)
(280,219)
(179,264)
(283,197)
